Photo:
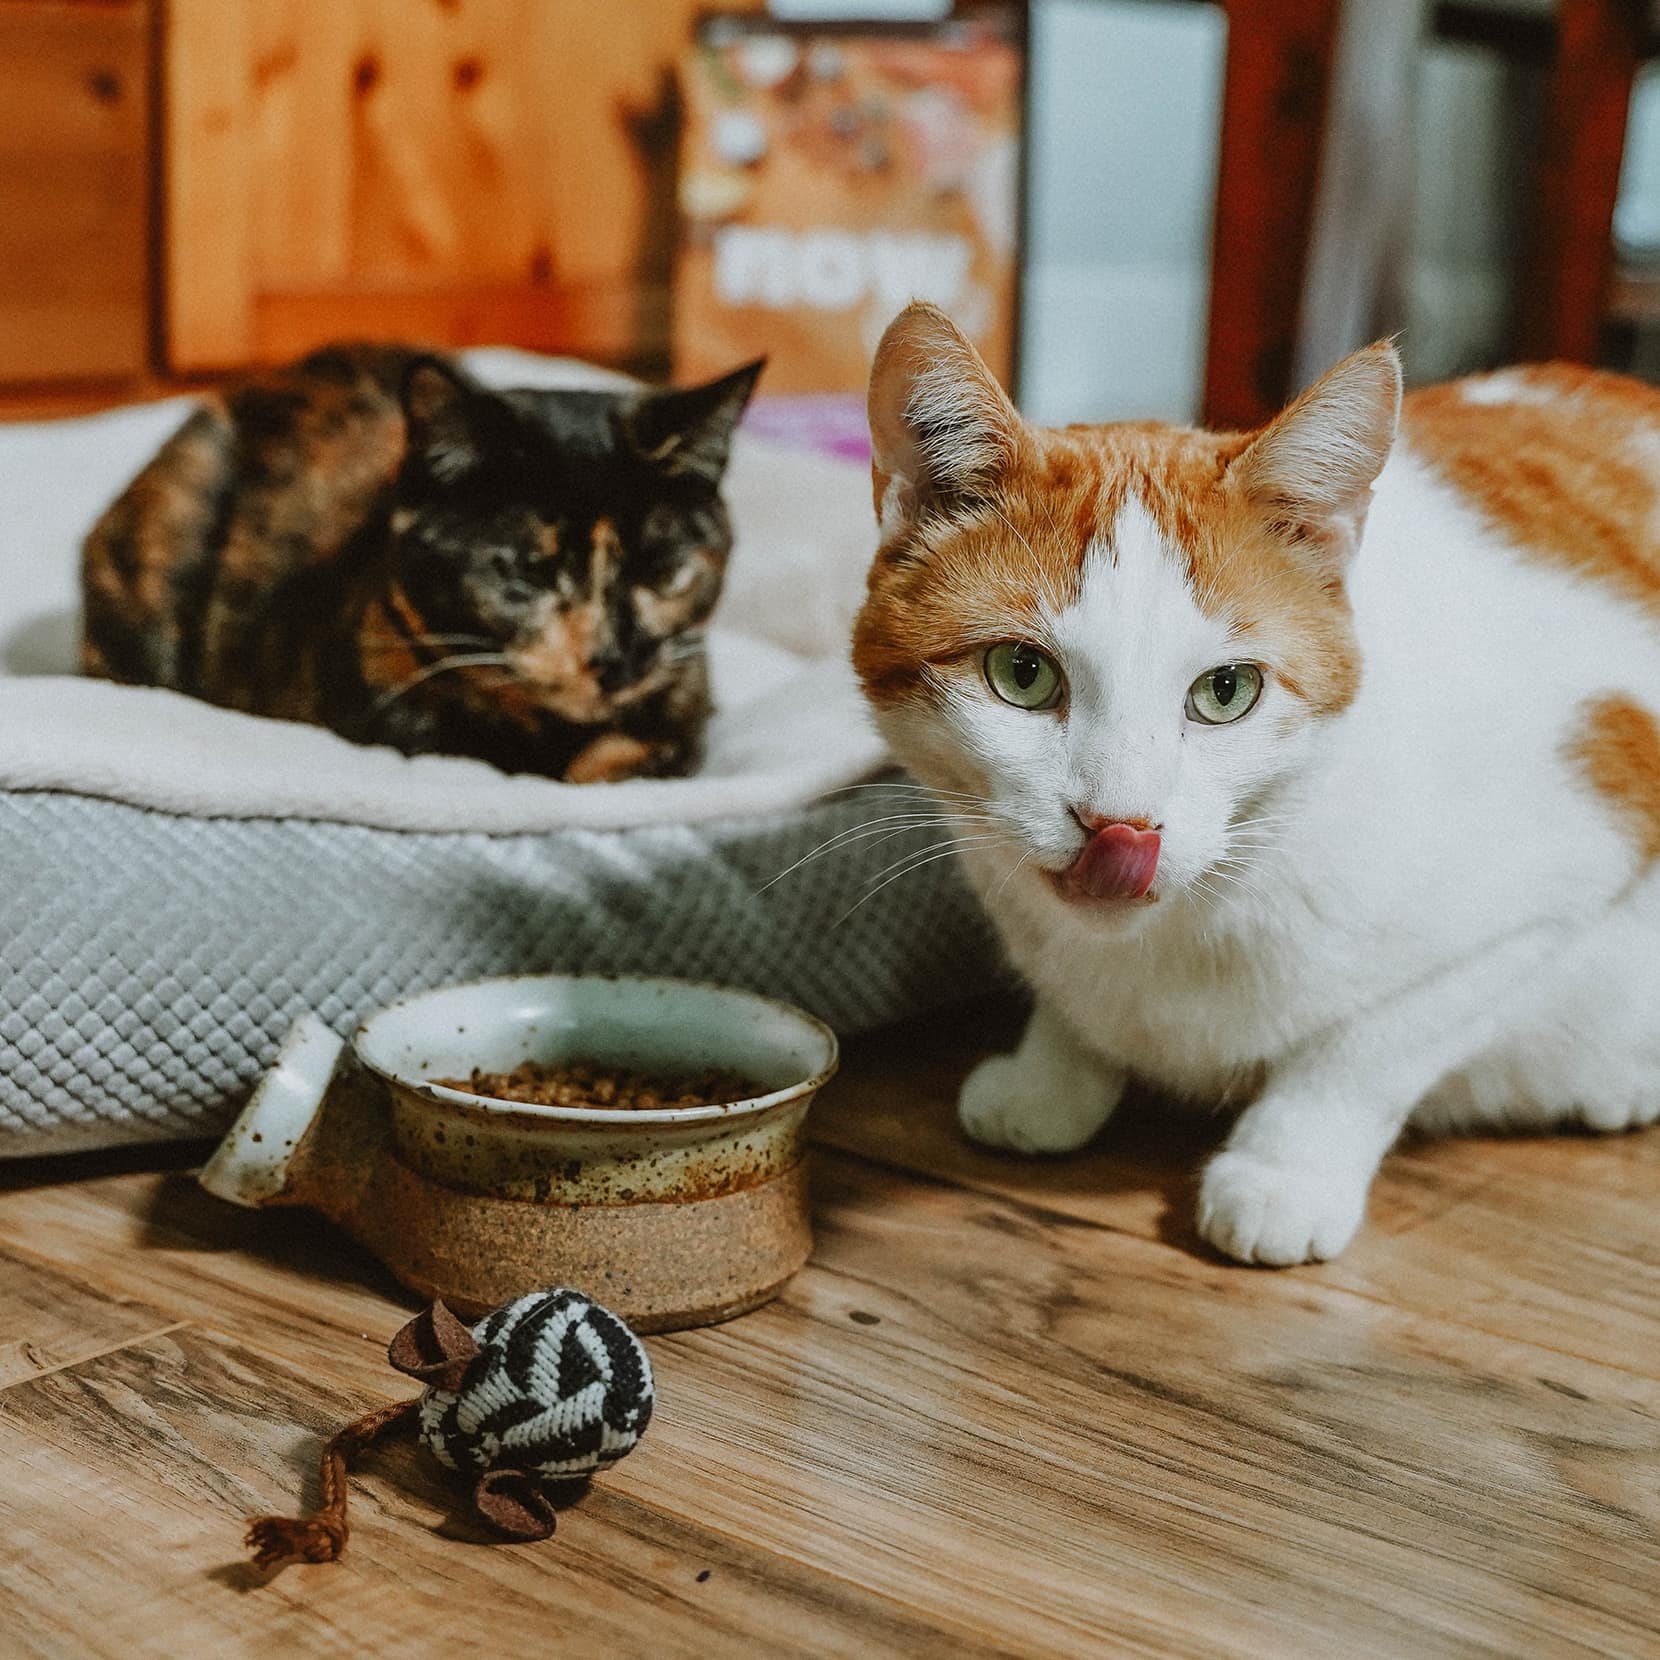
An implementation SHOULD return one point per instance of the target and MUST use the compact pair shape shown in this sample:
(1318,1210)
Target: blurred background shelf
(1221,196)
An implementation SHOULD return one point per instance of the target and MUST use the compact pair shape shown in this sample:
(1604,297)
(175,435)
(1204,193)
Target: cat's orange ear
(941,428)
(1312,468)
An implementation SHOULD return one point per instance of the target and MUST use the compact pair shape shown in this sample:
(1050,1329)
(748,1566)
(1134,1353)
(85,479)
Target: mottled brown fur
(333,541)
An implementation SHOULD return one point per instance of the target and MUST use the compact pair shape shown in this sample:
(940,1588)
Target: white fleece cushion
(789,724)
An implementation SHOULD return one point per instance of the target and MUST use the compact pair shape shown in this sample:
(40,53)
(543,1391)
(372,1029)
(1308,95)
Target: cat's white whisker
(950,845)
(881,827)
(899,786)
(917,862)
(1240,884)
(1014,871)
(923,854)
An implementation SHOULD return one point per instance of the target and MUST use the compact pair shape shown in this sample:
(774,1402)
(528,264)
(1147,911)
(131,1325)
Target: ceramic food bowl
(673,1217)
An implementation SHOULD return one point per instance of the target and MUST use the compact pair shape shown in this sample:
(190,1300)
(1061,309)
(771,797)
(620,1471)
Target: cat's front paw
(1276,1214)
(1611,1113)
(610,758)
(1007,1102)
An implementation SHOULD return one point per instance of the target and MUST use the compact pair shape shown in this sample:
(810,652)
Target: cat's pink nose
(1119,861)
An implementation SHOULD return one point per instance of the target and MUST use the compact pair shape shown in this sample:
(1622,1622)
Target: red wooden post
(1274,97)
(1565,276)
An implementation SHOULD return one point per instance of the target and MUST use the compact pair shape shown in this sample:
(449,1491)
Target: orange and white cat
(1315,769)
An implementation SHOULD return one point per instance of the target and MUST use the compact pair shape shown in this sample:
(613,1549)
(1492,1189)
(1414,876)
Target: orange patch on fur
(960,582)
(988,521)
(1245,567)
(1566,463)
(1618,749)
(552,670)
(387,657)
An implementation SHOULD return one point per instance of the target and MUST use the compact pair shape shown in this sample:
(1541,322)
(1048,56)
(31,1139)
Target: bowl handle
(251,1166)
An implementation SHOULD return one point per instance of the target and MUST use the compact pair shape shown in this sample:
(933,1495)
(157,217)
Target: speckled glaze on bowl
(673,1218)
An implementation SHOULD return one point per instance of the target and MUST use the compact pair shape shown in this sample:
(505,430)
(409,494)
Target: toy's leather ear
(434,1347)
(513,1503)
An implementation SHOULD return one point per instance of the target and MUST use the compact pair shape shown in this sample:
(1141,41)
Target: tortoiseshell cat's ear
(688,431)
(447,415)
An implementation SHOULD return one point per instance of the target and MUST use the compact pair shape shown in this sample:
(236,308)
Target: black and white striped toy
(558,1388)
(546,1390)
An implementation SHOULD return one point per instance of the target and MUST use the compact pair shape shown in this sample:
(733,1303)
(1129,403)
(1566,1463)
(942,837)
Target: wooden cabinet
(453,170)
(194,185)
(74,189)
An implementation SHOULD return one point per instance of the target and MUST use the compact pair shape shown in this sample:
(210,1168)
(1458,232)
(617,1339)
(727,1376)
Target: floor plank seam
(95,1354)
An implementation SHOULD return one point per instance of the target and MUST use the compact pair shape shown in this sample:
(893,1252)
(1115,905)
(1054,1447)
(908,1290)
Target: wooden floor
(1010,1408)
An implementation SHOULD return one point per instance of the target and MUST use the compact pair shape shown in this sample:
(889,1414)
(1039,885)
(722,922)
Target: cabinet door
(74,189)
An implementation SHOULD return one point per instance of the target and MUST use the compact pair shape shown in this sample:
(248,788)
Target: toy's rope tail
(321,1536)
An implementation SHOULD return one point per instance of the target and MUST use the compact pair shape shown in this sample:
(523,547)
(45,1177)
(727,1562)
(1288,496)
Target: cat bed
(178,882)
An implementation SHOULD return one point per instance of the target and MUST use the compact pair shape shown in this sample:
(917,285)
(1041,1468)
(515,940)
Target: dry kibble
(582,1083)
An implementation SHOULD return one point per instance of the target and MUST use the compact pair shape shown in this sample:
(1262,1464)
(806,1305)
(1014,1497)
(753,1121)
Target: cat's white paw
(1276,1214)
(1611,1114)
(1007,1102)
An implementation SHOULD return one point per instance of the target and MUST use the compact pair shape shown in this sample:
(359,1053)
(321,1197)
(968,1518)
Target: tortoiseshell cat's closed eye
(371,541)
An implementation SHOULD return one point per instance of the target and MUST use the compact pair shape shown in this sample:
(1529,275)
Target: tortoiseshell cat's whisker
(471,660)
(395,642)
(678,651)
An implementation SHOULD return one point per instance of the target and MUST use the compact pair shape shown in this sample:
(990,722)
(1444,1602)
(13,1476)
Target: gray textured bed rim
(151,962)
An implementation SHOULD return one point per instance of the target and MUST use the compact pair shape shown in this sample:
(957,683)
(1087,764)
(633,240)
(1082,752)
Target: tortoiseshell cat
(371,541)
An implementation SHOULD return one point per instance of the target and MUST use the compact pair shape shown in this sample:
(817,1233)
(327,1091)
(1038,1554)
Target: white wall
(1126,96)
(1477,114)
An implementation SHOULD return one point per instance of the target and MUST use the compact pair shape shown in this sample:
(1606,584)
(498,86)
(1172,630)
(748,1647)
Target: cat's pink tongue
(1118,862)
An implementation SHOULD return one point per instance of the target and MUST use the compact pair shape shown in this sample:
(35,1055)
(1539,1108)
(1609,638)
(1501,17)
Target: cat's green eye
(1022,675)
(1224,694)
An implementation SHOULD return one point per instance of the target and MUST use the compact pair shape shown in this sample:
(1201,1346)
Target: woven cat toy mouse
(549,1388)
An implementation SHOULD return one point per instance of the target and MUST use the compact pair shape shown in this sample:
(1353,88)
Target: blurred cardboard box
(831,172)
